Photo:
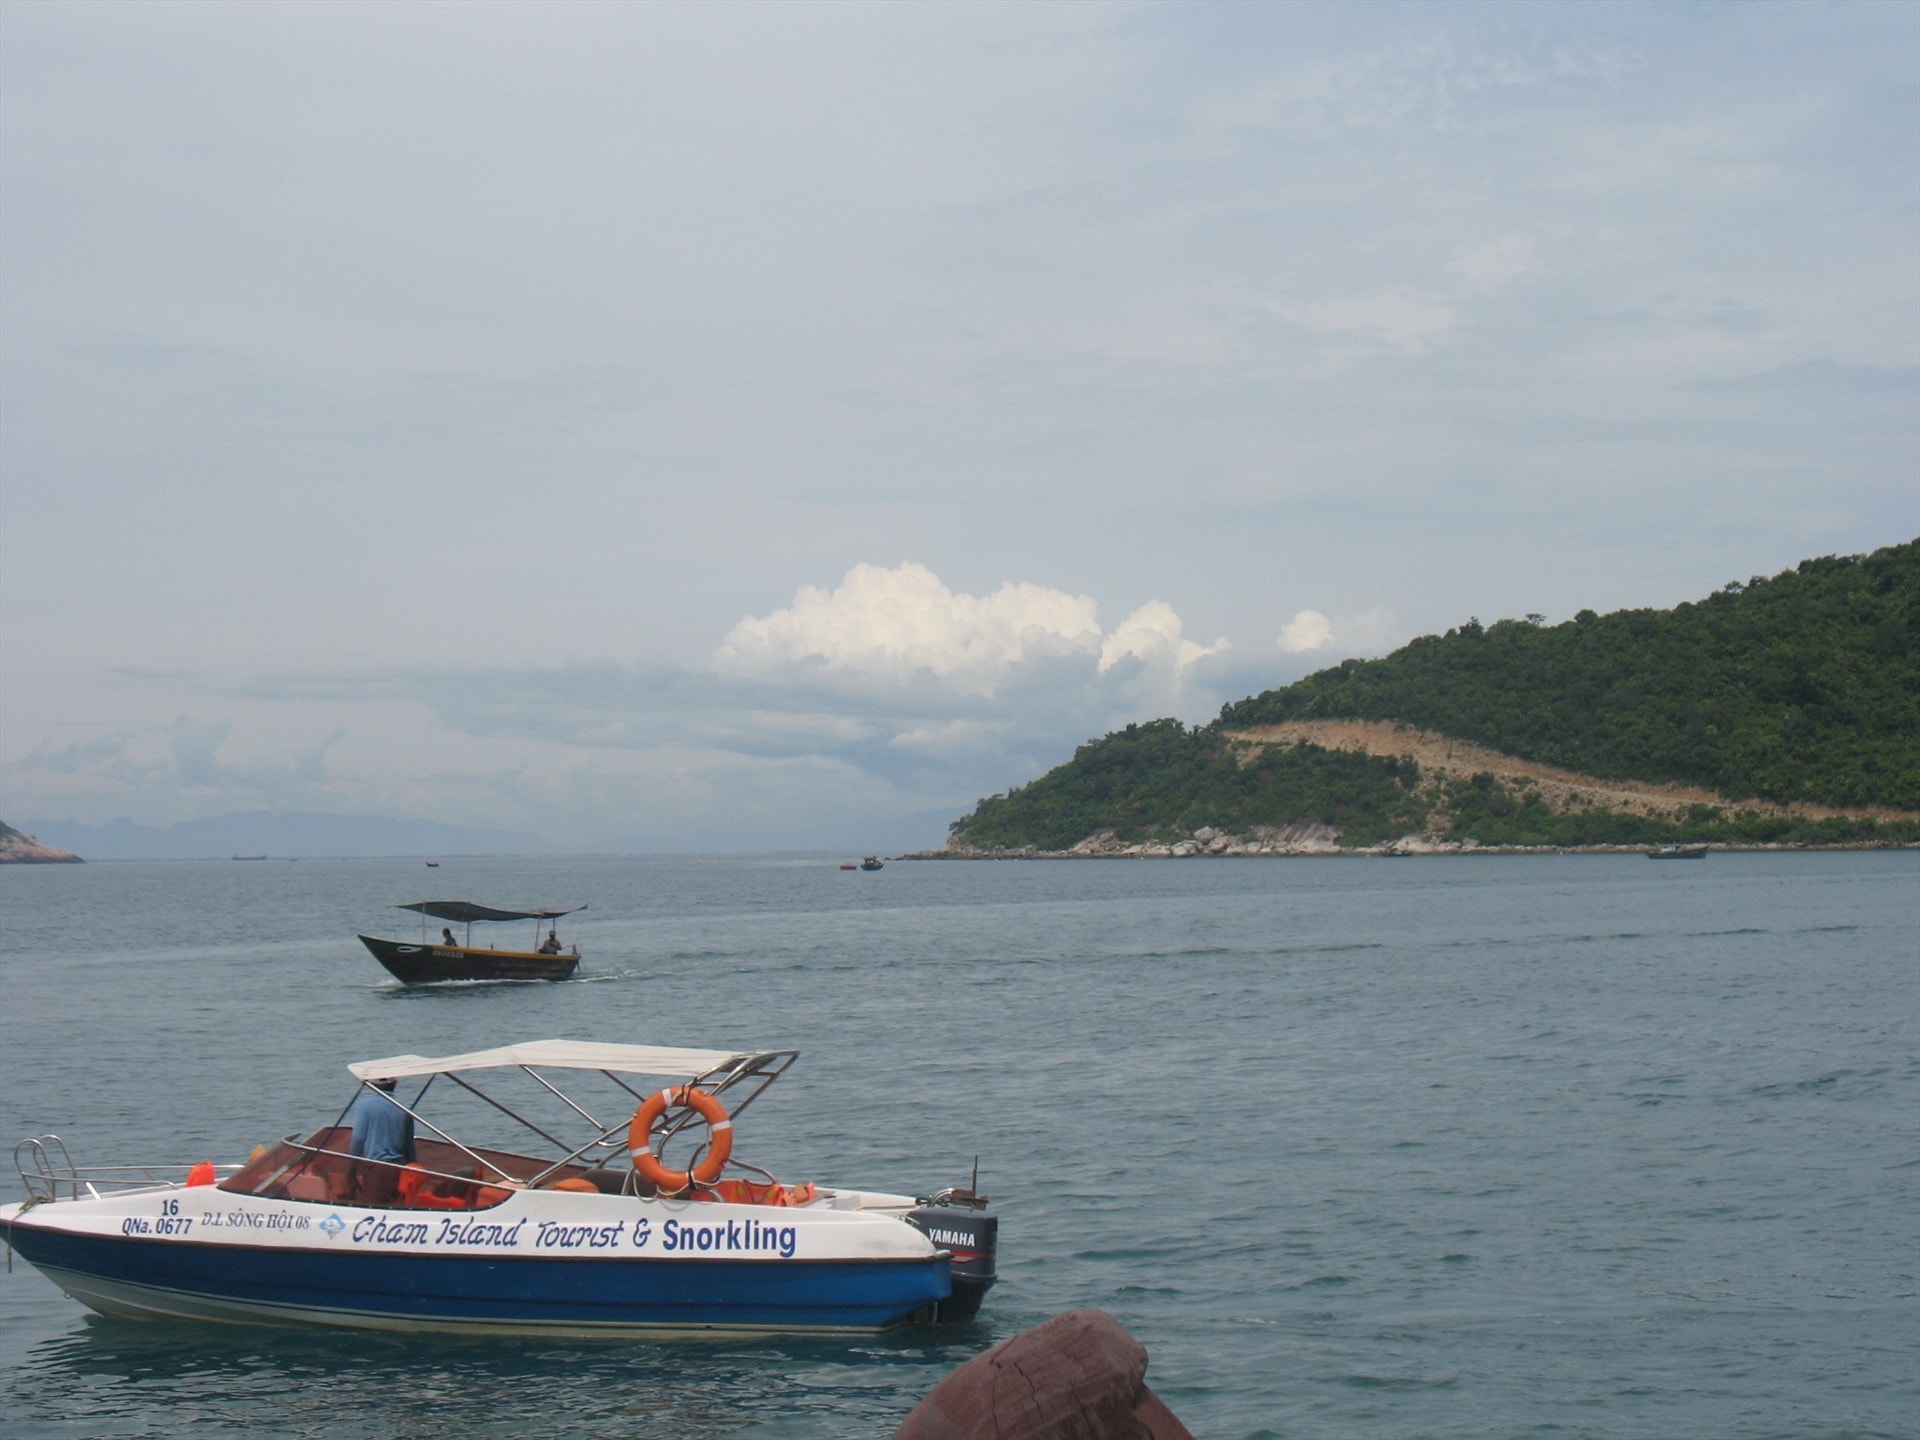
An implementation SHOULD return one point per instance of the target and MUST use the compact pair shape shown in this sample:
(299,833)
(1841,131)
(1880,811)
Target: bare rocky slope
(1561,790)
(19,849)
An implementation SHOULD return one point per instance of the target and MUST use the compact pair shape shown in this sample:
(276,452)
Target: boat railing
(48,1173)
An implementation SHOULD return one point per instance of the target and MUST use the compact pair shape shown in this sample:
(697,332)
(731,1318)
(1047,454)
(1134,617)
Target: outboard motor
(956,1220)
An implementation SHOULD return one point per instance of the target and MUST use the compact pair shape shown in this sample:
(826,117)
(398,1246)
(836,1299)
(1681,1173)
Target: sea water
(1489,1146)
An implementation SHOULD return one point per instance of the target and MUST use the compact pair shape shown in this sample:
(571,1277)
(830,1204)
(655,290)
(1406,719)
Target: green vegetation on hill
(1162,779)
(1804,687)
(1489,812)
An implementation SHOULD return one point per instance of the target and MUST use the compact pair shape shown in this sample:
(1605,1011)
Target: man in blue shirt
(381,1131)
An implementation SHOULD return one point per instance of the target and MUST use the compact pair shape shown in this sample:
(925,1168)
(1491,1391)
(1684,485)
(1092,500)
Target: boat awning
(560,1055)
(465,911)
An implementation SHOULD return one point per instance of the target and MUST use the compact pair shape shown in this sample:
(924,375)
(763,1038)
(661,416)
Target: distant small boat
(433,864)
(450,959)
(872,862)
(1677,852)
(849,866)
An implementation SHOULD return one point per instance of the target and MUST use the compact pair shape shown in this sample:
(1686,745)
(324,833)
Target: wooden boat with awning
(426,961)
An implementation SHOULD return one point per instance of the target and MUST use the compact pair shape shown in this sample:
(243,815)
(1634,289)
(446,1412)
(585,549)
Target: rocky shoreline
(1324,840)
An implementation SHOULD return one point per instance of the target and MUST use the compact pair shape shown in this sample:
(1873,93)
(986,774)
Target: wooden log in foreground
(1080,1376)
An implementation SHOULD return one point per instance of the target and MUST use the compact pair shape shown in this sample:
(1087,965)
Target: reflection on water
(128,1377)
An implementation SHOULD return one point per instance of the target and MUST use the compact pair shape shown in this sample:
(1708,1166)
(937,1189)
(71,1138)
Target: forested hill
(1803,686)
(1798,689)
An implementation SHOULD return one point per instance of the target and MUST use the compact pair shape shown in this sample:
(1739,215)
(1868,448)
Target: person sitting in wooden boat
(425,960)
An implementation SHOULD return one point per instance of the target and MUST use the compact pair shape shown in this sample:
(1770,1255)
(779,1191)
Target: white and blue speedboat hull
(549,1264)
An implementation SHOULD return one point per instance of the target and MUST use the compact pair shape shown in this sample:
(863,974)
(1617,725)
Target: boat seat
(421,1189)
(746,1192)
(409,1188)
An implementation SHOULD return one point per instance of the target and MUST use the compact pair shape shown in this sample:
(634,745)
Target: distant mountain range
(285,834)
(281,834)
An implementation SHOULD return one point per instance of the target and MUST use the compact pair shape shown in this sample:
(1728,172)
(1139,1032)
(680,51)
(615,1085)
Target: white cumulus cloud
(1308,630)
(892,624)
(896,624)
(1153,634)
(1369,633)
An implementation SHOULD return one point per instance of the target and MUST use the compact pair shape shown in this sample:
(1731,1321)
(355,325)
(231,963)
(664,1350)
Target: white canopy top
(558,1055)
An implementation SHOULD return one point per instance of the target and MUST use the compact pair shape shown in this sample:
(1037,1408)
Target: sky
(739,427)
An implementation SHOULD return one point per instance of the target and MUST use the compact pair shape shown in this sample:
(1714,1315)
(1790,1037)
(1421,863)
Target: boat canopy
(466,912)
(568,1055)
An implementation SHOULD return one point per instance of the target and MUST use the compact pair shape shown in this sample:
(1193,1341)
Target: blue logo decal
(333,1225)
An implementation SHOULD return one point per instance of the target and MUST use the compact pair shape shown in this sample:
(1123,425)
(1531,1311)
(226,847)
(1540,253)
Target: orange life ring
(640,1138)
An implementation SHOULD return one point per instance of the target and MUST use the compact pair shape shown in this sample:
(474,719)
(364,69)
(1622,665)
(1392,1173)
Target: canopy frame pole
(508,1111)
(566,1099)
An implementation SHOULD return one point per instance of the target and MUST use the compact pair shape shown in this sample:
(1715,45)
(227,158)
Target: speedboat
(1678,852)
(615,1220)
(451,958)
